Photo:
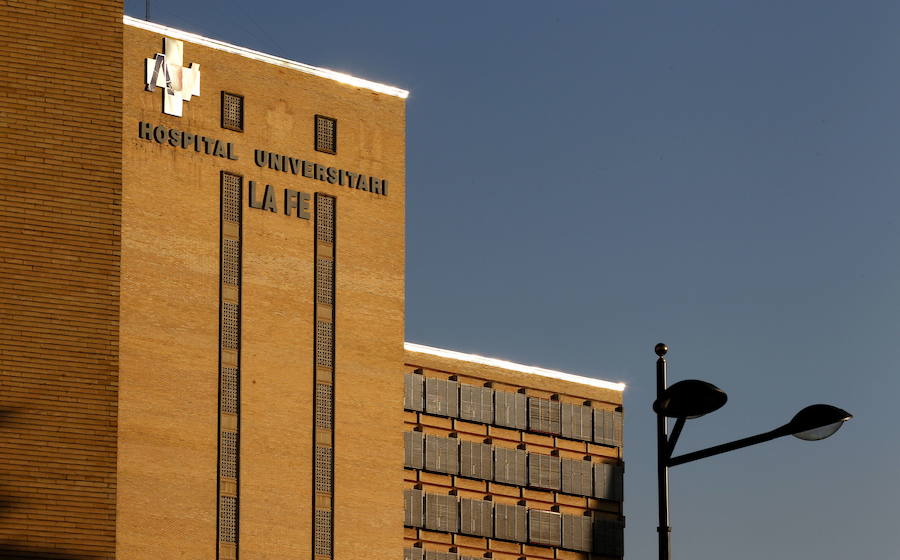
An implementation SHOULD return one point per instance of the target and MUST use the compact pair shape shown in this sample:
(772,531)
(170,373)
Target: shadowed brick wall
(60,201)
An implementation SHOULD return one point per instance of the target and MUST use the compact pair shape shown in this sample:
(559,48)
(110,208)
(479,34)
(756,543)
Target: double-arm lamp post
(692,399)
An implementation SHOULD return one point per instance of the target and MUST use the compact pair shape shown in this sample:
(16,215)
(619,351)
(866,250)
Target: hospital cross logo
(168,72)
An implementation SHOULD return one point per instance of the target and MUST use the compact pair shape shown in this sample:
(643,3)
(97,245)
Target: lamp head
(817,422)
(690,398)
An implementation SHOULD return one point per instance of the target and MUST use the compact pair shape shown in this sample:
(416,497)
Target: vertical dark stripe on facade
(323,378)
(228,470)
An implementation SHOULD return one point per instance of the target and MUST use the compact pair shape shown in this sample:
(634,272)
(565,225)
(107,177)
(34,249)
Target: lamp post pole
(662,455)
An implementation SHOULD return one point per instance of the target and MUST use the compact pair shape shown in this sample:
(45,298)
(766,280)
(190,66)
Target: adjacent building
(202,312)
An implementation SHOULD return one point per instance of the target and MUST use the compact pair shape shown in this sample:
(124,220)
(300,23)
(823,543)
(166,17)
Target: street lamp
(692,399)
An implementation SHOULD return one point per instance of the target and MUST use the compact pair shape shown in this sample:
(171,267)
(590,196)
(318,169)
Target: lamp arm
(673,438)
(731,446)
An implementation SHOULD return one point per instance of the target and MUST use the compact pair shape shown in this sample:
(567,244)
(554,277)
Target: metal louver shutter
(543,471)
(476,460)
(577,421)
(441,397)
(576,532)
(510,410)
(476,403)
(544,527)
(476,517)
(413,553)
(609,537)
(441,513)
(440,555)
(442,454)
(413,392)
(608,427)
(414,450)
(510,523)
(413,512)
(577,477)
(543,415)
(608,481)
(510,466)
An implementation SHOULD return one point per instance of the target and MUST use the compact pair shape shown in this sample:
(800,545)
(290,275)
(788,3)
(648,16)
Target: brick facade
(60,167)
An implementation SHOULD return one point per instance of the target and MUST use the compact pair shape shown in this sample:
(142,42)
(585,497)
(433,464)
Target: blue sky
(586,179)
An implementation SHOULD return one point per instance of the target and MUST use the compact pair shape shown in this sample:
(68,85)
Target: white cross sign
(167,71)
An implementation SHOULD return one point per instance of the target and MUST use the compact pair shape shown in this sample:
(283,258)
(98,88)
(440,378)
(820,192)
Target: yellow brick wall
(170,291)
(60,167)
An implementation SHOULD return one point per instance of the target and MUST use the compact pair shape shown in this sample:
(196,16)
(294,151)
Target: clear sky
(586,179)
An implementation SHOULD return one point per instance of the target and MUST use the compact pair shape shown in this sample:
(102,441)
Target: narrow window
(233,111)
(326,134)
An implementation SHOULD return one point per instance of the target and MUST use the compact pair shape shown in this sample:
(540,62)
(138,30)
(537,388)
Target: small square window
(326,134)
(233,111)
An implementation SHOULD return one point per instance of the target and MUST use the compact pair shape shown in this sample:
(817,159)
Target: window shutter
(442,454)
(441,513)
(440,555)
(413,392)
(413,512)
(576,532)
(441,397)
(414,450)
(577,477)
(608,427)
(609,537)
(413,553)
(577,421)
(544,527)
(476,403)
(510,410)
(543,415)
(510,523)
(510,466)
(543,471)
(476,460)
(476,517)
(608,481)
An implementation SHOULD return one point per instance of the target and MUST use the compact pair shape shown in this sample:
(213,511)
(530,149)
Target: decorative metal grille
(325,280)
(544,527)
(441,397)
(543,415)
(576,532)
(413,553)
(324,344)
(577,477)
(324,406)
(414,450)
(227,519)
(229,392)
(228,455)
(510,409)
(326,134)
(413,508)
(323,469)
(230,325)
(476,517)
(476,460)
(442,454)
(322,540)
(413,391)
(543,471)
(325,218)
(231,262)
(441,513)
(476,403)
(510,522)
(232,111)
(577,421)
(231,197)
(509,466)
